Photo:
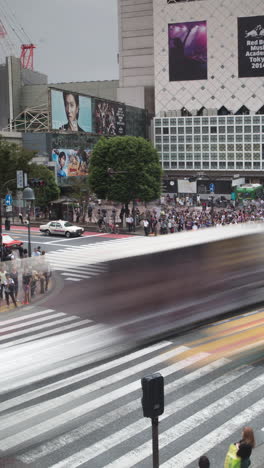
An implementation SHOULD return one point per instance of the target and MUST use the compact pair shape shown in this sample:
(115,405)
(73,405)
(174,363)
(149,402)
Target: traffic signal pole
(1,218)
(155,442)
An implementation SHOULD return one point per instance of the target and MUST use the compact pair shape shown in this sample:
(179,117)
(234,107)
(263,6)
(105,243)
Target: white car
(61,228)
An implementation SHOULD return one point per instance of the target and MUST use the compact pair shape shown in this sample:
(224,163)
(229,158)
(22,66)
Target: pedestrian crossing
(58,410)
(85,261)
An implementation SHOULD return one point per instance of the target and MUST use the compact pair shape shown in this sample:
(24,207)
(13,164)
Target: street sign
(25,180)
(8,208)
(8,200)
(212,188)
(20,179)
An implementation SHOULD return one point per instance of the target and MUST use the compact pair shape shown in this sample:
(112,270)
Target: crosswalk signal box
(153,395)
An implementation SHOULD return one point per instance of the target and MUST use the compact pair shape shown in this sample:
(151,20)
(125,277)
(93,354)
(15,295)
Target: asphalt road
(70,386)
(59,409)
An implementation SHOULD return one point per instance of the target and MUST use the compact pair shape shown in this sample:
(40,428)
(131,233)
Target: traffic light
(36,183)
(153,395)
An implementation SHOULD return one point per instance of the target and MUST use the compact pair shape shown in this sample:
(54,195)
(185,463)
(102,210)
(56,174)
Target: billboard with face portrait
(71,162)
(187,51)
(70,112)
(110,118)
(251,46)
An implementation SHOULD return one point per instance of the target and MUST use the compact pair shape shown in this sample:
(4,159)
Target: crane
(13,37)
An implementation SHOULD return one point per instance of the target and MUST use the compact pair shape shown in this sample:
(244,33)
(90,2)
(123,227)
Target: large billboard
(70,112)
(71,162)
(110,118)
(187,51)
(251,46)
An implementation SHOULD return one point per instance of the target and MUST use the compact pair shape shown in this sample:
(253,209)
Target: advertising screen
(70,112)
(110,118)
(188,51)
(71,162)
(251,46)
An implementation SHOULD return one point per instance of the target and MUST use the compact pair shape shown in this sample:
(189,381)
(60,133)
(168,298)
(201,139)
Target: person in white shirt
(146,226)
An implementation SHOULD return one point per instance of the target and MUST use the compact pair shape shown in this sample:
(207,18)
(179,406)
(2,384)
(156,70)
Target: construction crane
(13,38)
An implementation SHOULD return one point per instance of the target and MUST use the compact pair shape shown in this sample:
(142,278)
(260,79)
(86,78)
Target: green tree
(80,192)
(136,170)
(48,192)
(13,158)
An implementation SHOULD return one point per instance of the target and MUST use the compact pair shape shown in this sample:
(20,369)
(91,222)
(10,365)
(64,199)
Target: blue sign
(212,187)
(8,200)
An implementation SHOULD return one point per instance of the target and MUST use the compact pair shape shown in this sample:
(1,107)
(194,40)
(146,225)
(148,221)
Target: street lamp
(28,195)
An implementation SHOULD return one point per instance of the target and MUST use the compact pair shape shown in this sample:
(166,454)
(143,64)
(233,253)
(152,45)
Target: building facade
(209,86)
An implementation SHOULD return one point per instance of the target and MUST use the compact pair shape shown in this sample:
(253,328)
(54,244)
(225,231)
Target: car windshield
(68,224)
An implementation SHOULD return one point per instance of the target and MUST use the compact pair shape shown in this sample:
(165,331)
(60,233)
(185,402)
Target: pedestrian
(129,222)
(36,252)
(203,462)
(2,280)
(26,280)
(90,213)
(241,451)
(14,276)
(39,250)
(21,217)
(9,287)
(146,226)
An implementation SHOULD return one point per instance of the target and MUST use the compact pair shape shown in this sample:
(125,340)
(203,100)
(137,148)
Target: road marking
(73,275)
(218,435)
(72,279)
(172,434)
(11,403)
(31,322)
(25,317)
(108,418)
(76,238)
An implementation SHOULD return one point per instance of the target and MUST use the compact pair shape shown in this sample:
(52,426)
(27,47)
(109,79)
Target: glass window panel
(256,147)
(181,130)
(213,129)
(247,120)
(248,165)
(256,119)
(248,156)
(256,165)
(180,121)
(239,165)
(222,137)
(222,129)
(238,120)
(247,129)
(256,156)
(166,139)
(188,147)
(222,156)
(205,121)
(173,139)
(158,131)
(239,155)
(248,137)
(172,122)
(181,139)
(213,120)
(181,165)
(205,165)
(230,137)
(173,130)
(197,138)
(181,157)
(196,121)
(173,147)
(239,137)
(165,122)
(205,138)
(213,137)
(158,139)
(166,148)
(256,137)
(189,138)
(222,120)
(189,130)
(222,147)
(173,156)
(165,130)
(213,147)
(230,147)
(157,123)
(189,156)
(158,147)
(214,165)
(197,156)
(197,130)
(230,156)
(230,120)
(230,129)
(181,147)
(239,147)
(173,164)
(188,121)
(189,165)
(230,165)
(247,147)
(166,156)
(239,129)
(213,156)
(205,156)
(198,147)
(197,165)
(205,130)
(222,165)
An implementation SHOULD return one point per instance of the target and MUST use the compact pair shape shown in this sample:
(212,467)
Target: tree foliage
(12,159)
(136,169)
(50,191)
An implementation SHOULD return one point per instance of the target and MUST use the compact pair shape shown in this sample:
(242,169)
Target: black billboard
(110,118)
(251,46)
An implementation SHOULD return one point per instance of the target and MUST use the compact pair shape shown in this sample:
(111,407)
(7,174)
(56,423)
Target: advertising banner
(251,46)
(187,51)
(110,118)
(71,162)
(70,112)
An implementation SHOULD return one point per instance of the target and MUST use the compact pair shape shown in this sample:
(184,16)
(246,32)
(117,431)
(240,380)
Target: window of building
(239,129)
(188,147)
(256,128)
(205,147)
(230,129)
(205,138)
(239,165)
(181,139)
(158,131)
(213,137)
(222,121)
(222,156)
(239,147)
(188,121)
(173,130)
(180,121)
(222,147)
(256,137)
(181,165)
(158,139)
(231,165)
(222,165)
(256,165)
(222,137)
(166,148)
(222,129)
(197,156)
(189,156)
(158,147)
(256,156)
(197,165)
(248,156)
(248,165)
(205,165)
(213,147)
(247,129)
(213,165)
(173,156)
(248,137)
(256,147)
(230,156)
(213,156)
(189,130)
(173,164)
(165,122)
(205,130)
(189,165)
(239,137)
(165,130)
(189,138)
(166,156)
(247,147)
(173,147)
(230,147)
(181,157)
(181,147)
(206,156)
(239,155)
(173,139)
(247,120)
(197,130)
(166,139)
(213,121)
(197,138)
(181,130)
(157,123)
(166,165)
(230,138)
(198,147)
(173,122)
(205,121)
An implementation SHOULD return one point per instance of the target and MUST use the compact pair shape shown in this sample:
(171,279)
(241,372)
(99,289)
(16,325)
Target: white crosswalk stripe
(85,261)
(92,417)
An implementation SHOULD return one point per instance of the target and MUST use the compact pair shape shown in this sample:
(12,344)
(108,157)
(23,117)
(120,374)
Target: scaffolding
(31,119)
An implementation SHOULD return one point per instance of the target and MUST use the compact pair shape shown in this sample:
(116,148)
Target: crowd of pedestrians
(22,278)
(173,219)
(238,454)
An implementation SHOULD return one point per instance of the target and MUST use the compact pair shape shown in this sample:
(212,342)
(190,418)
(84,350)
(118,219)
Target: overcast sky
(77,40)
